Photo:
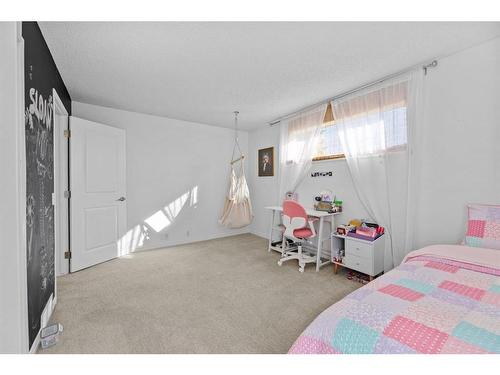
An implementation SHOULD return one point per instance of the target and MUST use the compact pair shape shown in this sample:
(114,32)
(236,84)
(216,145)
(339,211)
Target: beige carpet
(221,296)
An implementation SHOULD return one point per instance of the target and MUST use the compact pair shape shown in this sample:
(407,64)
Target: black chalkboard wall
(40,77)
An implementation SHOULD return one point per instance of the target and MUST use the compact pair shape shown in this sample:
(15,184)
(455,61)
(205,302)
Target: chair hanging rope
(237,212)
(236,140)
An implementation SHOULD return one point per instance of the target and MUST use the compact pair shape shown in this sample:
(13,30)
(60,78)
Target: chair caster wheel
(280,262)
(301,269)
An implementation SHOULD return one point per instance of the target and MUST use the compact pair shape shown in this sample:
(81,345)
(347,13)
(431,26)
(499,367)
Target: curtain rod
(426,66)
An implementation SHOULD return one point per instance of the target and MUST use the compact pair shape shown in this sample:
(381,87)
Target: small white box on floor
(49,335)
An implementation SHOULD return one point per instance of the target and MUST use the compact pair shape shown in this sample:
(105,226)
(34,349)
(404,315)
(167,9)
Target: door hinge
(67,254)
(67,194)
(67,133)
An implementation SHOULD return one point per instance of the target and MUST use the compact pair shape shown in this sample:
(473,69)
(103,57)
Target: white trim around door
(61,185)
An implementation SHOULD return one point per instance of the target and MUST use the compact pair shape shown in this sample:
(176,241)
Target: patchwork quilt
(441,299)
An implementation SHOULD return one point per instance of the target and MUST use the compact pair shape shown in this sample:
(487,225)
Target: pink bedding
(488,258)
(441,299)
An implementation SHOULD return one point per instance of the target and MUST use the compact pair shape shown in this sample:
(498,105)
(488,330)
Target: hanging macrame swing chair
(237,211)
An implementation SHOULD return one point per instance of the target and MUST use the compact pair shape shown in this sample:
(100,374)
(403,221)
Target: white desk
(321,215)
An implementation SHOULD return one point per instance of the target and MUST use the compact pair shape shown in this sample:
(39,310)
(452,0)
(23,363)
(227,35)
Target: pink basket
(367,232)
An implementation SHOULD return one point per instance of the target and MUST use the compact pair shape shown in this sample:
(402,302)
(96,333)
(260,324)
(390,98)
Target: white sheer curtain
(298,139)
(377,133)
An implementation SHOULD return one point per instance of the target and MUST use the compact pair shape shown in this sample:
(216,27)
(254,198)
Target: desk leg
(271,231)
(320,244)
(333,229)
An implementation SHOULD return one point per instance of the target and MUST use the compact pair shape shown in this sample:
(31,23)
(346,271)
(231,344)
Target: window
(329,146)
(377,131)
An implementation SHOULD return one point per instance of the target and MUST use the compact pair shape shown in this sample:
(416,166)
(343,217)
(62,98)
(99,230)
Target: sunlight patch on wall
(158,221)
(133,239)
(194,196)
(174,208)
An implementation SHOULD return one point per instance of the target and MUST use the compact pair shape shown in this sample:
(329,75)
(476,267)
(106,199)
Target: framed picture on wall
(266,162)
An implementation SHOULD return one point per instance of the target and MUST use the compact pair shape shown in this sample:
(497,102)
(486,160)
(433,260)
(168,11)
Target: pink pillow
(483,226)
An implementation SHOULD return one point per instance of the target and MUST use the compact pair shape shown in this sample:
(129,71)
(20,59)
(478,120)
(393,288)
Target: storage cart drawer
(356,263)
(359,249)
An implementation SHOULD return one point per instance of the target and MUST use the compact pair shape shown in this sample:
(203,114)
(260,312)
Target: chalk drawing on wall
(39,208)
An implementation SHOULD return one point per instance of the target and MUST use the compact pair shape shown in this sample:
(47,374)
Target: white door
(97,181)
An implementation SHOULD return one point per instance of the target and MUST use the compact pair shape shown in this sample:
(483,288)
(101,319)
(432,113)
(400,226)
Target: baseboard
(186,242)
(262,235)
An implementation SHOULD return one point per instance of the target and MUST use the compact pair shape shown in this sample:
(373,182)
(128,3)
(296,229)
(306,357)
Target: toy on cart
(342,230)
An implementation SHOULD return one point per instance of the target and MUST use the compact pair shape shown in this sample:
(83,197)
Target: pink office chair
(298,227)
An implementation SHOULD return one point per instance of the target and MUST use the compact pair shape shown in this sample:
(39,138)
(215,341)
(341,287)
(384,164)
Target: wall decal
(322,174)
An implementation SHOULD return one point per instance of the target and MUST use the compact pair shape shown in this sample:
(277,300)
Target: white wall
(177,168)
(460,157)
(460,150)
(13,308)
(340,184)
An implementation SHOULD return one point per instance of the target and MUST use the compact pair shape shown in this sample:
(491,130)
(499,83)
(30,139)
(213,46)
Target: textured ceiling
(202,72)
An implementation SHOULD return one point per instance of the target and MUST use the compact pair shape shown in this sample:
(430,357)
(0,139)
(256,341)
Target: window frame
(330,121)
(329,157)
(332,156)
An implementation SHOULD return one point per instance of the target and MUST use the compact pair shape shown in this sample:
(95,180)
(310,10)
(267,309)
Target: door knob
(121,199)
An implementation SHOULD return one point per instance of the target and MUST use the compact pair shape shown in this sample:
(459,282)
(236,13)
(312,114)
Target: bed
(441,299)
